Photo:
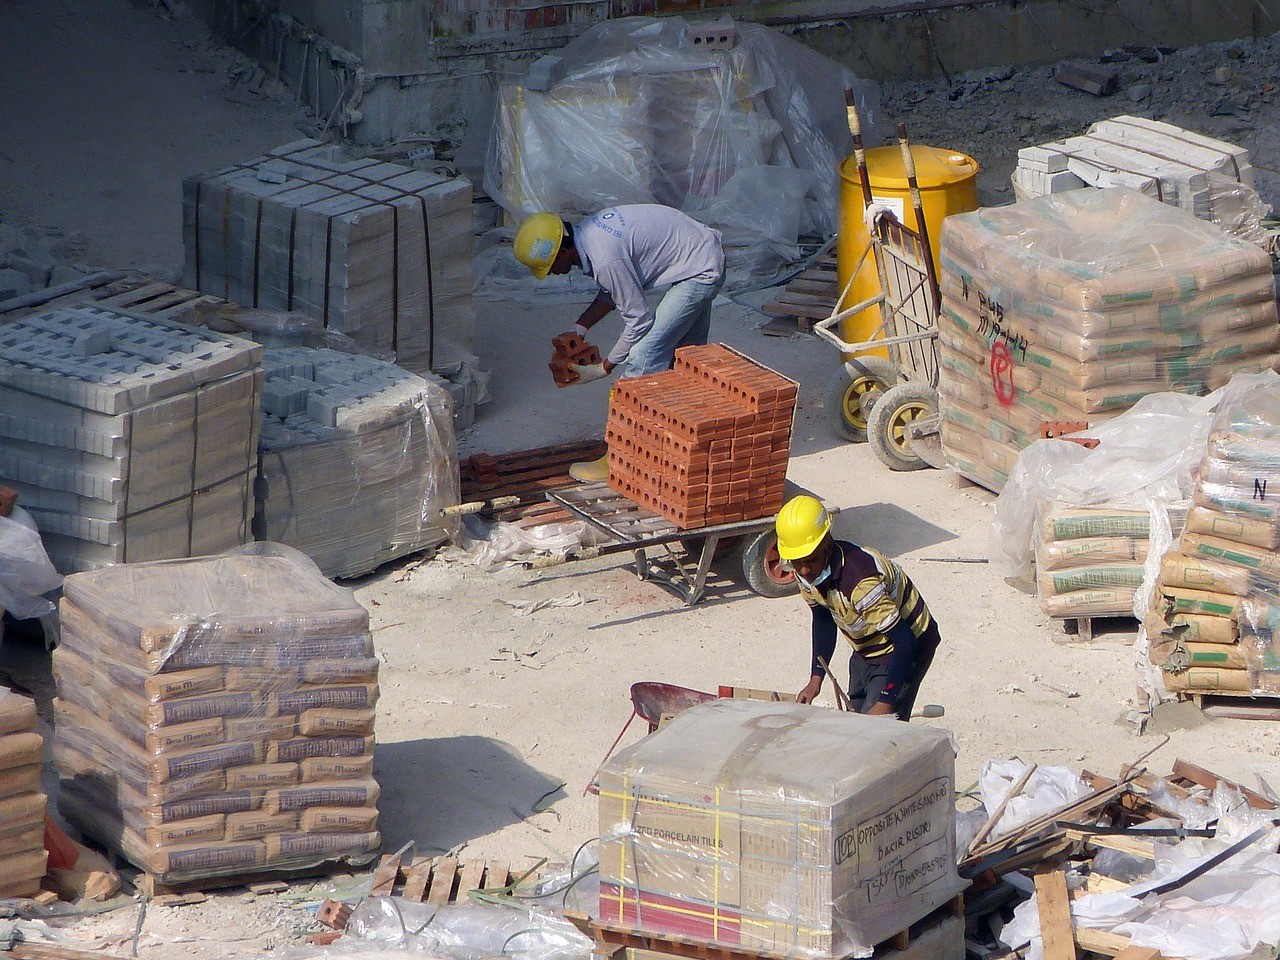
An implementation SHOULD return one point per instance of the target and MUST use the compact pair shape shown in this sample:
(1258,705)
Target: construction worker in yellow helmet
(628,250)
(865,596)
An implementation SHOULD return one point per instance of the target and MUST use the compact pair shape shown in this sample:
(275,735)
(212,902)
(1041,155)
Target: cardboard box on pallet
(790,831)
(215,716)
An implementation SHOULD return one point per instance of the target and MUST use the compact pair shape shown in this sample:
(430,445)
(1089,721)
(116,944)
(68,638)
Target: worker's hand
(880,709)
(810,691)
(589,371)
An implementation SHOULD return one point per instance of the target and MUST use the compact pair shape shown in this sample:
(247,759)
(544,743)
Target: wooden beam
(1101,941)
(1210,780)
(1132,952)
(1055,915)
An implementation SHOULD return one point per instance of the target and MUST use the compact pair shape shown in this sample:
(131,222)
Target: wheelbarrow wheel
(890,418)
(762,567)
(846,397)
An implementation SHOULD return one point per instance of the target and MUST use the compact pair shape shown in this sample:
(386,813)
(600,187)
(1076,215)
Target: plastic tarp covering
(798,832)
(357,459)
(215,716)
(1215,606)
(1228,913)
(26,572)
(1076,305)
(1147,454)
(643,115)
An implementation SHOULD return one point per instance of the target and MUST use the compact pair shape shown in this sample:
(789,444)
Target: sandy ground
(487,714)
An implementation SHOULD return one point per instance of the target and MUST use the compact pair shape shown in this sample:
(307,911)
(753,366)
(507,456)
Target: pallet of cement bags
(1074,306)
(358,458)
(215,716)
(375,250)
(1215,611)
(128,438)
(22,805)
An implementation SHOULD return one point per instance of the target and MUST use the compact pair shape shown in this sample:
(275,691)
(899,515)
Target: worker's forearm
(905,646)
(596,310)
(824,641)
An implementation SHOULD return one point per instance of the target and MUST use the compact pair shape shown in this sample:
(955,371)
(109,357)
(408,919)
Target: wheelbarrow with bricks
(678,558)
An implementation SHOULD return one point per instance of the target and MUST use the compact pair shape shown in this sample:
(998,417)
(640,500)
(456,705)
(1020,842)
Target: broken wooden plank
(1055,915)
(442,877)
(1210,780)
(1101,941)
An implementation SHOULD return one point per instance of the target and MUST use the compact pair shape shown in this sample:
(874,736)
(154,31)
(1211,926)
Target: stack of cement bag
(22,853)
(375,250)
(1089,560)
(357,459)
(1207,177)
(215,716)
(128,438)
(1073,306)
(1216,604)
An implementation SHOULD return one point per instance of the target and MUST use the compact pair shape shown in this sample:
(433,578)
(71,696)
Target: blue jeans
(681,319)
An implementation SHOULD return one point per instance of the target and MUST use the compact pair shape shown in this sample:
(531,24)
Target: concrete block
(1098,79)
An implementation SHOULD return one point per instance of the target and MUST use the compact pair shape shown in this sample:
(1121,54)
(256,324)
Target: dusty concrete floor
(485,712)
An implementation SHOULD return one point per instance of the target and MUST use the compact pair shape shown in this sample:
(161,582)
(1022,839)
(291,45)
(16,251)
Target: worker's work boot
(591,471)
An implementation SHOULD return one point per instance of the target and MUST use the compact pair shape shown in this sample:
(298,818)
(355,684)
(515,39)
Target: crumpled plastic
(1048,789)
(26,572)
(1147,454)
(491,544)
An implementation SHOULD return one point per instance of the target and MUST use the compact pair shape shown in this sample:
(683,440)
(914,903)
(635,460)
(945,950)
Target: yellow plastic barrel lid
(935,167)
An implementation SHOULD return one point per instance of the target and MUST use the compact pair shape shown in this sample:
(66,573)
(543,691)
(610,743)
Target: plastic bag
(490,544)
(26,571)
(1048,789)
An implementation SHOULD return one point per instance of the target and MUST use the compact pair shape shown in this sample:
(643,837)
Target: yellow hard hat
(538,241)
(803,523)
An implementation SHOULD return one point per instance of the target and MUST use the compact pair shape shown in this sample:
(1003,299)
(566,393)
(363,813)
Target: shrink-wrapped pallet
(1215,611)
(22,805)
(788,832)
(376,250)
(215,716)
(1074,306)
(358,458)
(128,438)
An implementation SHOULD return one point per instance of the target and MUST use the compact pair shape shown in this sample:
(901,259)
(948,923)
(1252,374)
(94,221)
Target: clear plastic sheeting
(357,459)
(1074,306)
(790,831)
(1215,604)
(1147,454)
(492,544)
(467,931)
(1048,789)
(1229,913)
(639,113)
(215,716)
(26,572)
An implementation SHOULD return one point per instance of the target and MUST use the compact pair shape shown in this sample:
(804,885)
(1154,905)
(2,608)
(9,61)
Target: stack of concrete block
(377,251)
(1074,306)
(128,438)
(358,458)
(568,349)
(1215,614)
(22,805)
(1179,167)
(705,443)
(215,716)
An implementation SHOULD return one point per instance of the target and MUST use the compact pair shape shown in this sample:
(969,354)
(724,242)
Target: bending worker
(627,250)
(869,599)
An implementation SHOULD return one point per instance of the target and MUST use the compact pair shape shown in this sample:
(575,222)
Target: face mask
(816,581)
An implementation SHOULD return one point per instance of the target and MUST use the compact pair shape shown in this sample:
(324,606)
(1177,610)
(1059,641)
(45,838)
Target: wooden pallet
(527,474)
(441,880)
(1234,705)
(1085,629)
(810,296)
(617,943)
(125,290)
(147,884)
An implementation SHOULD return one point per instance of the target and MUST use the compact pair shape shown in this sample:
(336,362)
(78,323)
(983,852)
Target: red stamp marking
(1002,374)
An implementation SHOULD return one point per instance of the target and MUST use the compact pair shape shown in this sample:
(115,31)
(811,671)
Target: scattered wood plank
(1055,915)
(1132,952)
(1210,780)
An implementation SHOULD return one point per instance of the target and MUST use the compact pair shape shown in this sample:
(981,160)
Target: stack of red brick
(705,443)
(568,349)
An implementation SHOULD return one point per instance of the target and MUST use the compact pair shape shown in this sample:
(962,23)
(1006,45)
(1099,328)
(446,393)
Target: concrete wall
(383,69)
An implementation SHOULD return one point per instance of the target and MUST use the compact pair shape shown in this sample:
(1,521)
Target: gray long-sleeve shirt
(636,247)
